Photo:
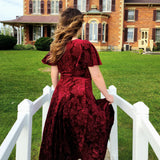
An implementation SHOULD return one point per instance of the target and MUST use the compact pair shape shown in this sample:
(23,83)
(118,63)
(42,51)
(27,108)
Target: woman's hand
(110,99)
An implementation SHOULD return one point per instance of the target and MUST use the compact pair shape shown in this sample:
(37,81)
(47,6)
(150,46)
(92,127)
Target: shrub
(7,42)
(19,47)
(140,51)
(156,47)
(43,43)
(29,47)
(24,47)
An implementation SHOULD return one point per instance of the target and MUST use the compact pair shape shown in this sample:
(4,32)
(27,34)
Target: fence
(21,132)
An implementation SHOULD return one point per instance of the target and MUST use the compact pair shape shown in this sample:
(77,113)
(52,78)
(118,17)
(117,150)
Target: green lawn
(137,78)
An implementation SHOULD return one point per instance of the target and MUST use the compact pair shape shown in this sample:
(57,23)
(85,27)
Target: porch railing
(143,131)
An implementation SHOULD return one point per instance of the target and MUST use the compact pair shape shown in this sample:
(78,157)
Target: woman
(77,125)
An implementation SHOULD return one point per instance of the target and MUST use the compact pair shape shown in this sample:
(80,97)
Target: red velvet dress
(77,125)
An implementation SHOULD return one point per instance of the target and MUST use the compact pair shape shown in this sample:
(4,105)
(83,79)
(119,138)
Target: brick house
(109,24)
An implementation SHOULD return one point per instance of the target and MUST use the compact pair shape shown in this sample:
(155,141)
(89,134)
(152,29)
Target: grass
(137,78)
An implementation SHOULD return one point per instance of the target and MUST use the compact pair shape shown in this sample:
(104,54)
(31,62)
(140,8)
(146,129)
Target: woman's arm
(54,75)
(98,79)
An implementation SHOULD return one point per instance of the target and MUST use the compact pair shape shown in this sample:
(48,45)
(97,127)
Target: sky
(9,9)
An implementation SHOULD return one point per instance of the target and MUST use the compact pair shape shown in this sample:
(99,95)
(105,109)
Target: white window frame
(36,4)
(81,5)
(106,6)
(130,40)
(94,36)
(36,35)
(55,7)
(133,15)
(103,32)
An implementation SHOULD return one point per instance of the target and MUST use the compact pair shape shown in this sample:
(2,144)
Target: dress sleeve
(45,60)
(91,55)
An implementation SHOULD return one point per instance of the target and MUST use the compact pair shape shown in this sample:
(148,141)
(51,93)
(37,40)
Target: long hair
(70,22)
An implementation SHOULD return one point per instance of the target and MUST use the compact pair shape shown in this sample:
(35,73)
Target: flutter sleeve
(45,60)
(91,55)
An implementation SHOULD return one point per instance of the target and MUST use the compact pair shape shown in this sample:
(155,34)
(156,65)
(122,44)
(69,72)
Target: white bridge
(143,131)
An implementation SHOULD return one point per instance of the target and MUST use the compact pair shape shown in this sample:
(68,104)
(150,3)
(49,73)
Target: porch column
(41,30)
(17,35)
(4,29)
(20,35)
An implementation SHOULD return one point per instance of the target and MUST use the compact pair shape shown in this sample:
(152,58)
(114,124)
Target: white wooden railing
(143,131)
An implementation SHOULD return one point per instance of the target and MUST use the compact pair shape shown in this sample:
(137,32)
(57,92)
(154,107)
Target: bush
(24,47)
(7,42)
(156,47)
(43,43)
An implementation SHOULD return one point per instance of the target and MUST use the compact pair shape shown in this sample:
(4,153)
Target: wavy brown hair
(70,22)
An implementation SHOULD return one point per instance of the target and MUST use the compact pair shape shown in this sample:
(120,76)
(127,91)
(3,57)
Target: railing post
(113,142)
(140,143)
(114,131)
(23,145)
(46,90)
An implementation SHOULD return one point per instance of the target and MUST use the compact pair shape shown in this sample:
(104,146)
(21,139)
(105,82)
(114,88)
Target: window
(131,14)
(107,5)
(158,34)
(130,35)
(93,31)
(36,6)
(54,7)
(52,30)
(158,15)
(83,31)
(81,5)
(103,32)
(36,32)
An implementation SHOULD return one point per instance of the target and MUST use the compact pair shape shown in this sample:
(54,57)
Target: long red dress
(77,125)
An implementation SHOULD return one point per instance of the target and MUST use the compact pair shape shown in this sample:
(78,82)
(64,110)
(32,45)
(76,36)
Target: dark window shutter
(154,34)
(30,32)
(87,5)
(106,33)
(48,31)
(100,5)
(126,15)
(99,31)
(75,3)
(135,34)
(48,6)
(30,6)
(113,5)
(42,6)
(60,5)
(44,31)
(154,15)
(87,31)
(125,34)
(136,15)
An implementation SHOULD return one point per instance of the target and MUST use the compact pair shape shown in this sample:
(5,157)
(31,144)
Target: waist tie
(68,75)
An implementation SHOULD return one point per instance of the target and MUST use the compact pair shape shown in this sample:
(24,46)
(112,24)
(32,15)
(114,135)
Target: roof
(143,1)
(38,19)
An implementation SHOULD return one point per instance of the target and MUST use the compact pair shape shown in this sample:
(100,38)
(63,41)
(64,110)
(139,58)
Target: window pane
(158,15)
(79,5)
(104,5)
(158,34)
(108,5)
(83,5)
(130,34)
(103,29)
(57,6)
(90,31)
(130,14)
(38,6)
(52,6)
(95,32)
(34,6)
(36,32)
